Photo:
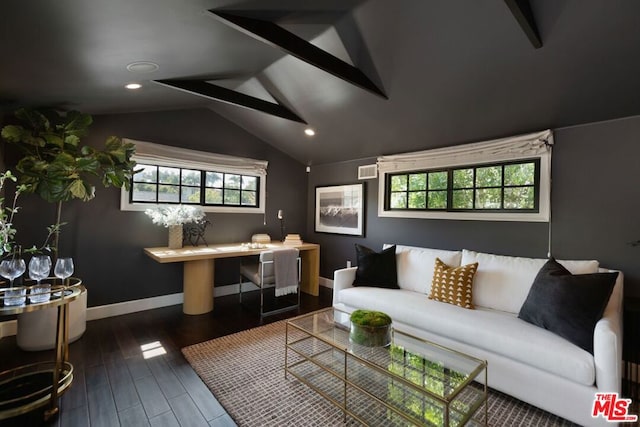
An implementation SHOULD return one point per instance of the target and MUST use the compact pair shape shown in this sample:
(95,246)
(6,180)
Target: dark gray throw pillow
(566,304)
(376,269)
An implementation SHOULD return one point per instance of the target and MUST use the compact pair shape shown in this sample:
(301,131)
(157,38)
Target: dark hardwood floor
(115,386)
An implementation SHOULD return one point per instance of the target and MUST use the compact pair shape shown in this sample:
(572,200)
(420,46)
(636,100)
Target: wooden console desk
(199,268)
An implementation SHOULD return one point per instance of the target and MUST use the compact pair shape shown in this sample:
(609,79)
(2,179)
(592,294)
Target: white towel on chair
(285,266)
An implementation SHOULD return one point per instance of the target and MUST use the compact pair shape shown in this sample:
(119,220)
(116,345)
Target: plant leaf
(113,143)
(36,119)
(77,123)
(88,164)
(78,190)
(13,133)
(73,140)
(53,139)
(87,151)
(53,191)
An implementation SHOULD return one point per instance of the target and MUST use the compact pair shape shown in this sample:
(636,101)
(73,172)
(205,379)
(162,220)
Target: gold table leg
(62,353)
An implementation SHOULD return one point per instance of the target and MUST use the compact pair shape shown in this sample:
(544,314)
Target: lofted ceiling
(450,71)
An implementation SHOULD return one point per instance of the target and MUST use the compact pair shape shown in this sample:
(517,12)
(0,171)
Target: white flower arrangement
(175,215)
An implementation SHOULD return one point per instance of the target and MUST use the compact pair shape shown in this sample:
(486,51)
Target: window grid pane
(143,192)
(148,173)
(190,195)
(168,175)
(214,179)
(417,200)
(191,177)
(231,180)
(437,200)
(398,200)
(169,193)
(231,197)
(249,183)
(438,180)
(519,174)
(417,181)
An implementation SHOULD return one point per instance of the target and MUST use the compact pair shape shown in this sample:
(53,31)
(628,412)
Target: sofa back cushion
(503,282)
(416,265)
(376,269)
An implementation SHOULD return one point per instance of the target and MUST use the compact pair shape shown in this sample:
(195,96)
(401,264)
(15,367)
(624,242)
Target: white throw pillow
(503,282)
(415,266)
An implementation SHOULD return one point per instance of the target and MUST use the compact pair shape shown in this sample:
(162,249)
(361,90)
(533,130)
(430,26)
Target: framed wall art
(340,209)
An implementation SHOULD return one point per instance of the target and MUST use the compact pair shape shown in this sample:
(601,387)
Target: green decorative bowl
(370,328)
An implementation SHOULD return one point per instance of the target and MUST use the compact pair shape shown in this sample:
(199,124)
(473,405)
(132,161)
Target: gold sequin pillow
(453,285)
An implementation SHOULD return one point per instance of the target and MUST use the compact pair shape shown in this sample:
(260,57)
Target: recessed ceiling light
(133,86)
(309,132)
(142,67)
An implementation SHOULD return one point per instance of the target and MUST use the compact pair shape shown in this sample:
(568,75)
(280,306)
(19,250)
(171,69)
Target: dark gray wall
(107,243)
(595,203)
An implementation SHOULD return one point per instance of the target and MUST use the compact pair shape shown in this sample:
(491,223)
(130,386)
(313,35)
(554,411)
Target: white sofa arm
(607,342)
(342,279)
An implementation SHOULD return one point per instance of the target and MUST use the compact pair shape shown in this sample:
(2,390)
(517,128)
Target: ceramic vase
(175,236)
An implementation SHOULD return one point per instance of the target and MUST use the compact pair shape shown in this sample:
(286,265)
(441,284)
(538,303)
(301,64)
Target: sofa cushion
(566,304)
(415,265)
(503,282)
(498,332)
(453,285)
(376,268)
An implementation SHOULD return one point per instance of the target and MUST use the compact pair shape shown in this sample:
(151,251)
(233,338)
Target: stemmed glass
(39,268)
(11,269)
(63,269)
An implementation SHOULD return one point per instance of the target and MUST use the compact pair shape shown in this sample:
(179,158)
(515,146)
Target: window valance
(165,155)
(503,149)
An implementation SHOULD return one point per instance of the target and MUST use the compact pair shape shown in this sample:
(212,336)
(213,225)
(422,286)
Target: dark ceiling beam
(276,36)
(219,93)
(521,10)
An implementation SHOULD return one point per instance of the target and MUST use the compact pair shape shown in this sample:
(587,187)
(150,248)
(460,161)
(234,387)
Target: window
(161,184)
(510,187)
(507,179)
(231,189)
(219,183)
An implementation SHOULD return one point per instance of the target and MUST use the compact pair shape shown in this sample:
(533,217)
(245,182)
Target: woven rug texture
(245,372)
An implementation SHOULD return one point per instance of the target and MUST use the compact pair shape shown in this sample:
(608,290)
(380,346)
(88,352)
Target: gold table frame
(60,369)
(321,348)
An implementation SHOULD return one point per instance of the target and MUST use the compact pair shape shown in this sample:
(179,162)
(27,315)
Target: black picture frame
(339,209)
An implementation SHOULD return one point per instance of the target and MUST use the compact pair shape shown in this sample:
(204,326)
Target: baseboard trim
(234,289)
(126,307)
(10,327)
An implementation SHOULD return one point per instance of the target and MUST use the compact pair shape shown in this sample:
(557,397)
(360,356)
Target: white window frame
(522,147)
(164,155)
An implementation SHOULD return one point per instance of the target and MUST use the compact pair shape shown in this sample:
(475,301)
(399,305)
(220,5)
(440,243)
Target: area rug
(245,372)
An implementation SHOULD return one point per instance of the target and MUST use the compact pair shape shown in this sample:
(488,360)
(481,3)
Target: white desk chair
(279,270)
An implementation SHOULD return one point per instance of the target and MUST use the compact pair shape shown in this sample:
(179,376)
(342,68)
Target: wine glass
(11,269)
(62,270)
(39,268)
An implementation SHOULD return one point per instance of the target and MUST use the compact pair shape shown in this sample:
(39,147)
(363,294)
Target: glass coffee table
(410,382)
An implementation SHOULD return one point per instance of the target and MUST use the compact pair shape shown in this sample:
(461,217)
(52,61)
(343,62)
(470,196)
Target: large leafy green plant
(56,166)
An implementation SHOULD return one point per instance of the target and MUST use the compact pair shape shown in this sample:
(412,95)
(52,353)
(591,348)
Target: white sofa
(524,361)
